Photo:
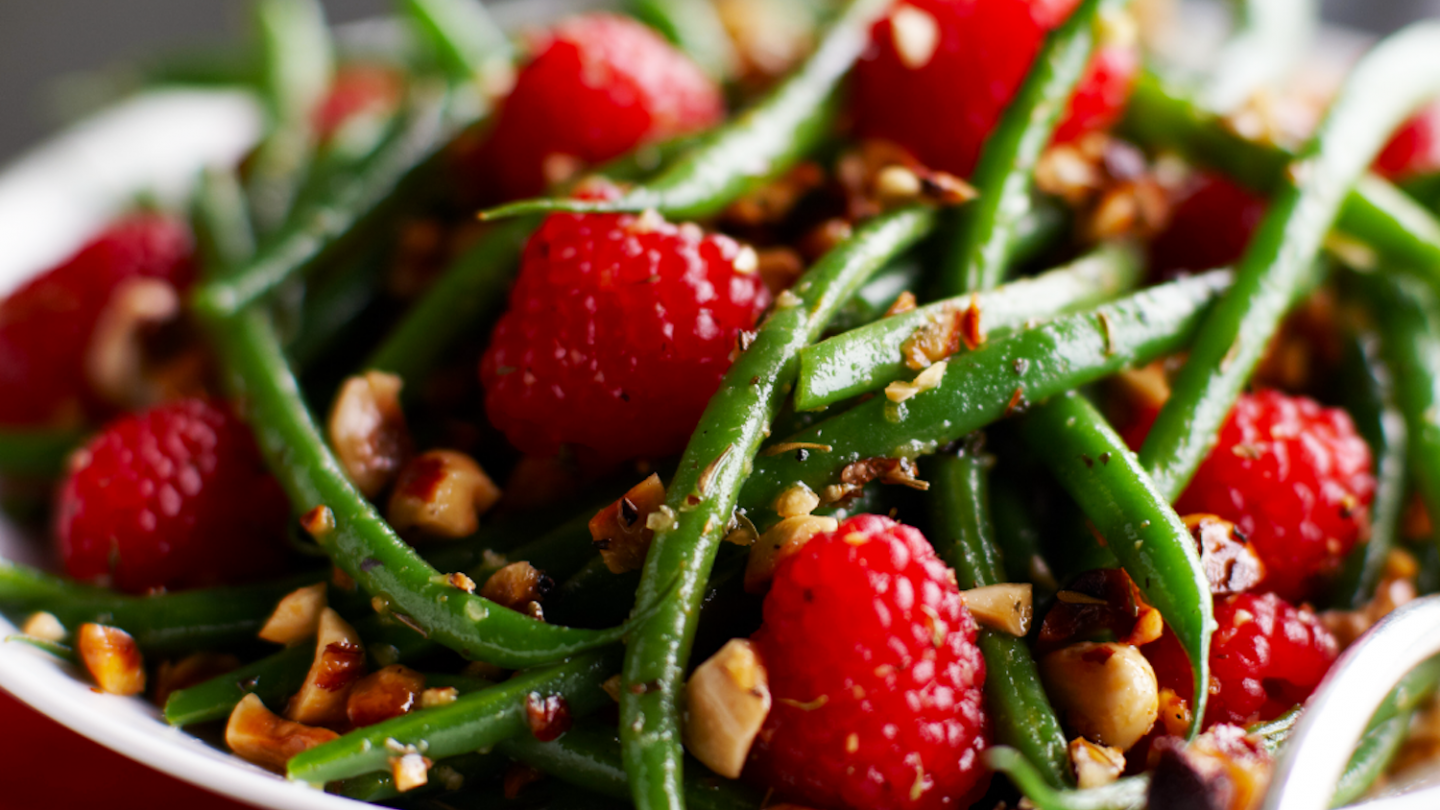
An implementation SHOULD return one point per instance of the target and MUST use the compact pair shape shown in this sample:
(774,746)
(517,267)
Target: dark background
(42,40)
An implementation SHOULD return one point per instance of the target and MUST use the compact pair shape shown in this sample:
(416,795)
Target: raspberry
(46,324)
(875,675)
(1294,478)
(173,497)
(1415,147)
(939,74)
(599,86)
(619,330)
(1210,227)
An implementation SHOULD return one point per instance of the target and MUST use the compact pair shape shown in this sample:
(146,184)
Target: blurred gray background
(44,40)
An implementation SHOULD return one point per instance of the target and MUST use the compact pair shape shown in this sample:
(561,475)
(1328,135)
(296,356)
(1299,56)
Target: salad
(868,405)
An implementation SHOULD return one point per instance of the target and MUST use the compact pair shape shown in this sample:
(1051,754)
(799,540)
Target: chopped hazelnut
(1095,765)
(438,696)
(782,540)
(258,736)
(339,662)
(1007,608)
(297,617)
(900,391)
(516,585)
(379,696)
(621,531)
(410,771)
(442,493)
(1105,692)
(368,431)
(44,626)
(113,659)
(115,357)
(726,700)
(795,501)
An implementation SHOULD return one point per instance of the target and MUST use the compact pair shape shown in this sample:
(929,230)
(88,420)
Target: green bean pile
(285,278)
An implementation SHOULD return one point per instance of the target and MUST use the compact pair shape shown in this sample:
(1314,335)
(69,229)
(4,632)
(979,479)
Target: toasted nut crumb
(915,35)
(461,581)
(1095,765)
(442,493)
(297,617)
(726,701)
(516,585)
(1106,692)
(547,715)
(795,501)
(900,391)
(1007,608)
(115,356)
(938,338)
(747,260)
(438,696)
(368,431)
(1175,713)
(1065,171)
(1230,563)
(612,687)
(339,662)
(319,522)
(904,302)
(897,184)
(113,659)
(44,625)
(410,771)
(622,531)
(258,736)
(379,696)
(782,540)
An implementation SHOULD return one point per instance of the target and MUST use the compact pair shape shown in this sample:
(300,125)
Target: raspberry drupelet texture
(1210,227)
(599,86)
(173,497)
(939,74)
(619,330)
(875,676)
(1415,147)
(1294,477)
(46,325)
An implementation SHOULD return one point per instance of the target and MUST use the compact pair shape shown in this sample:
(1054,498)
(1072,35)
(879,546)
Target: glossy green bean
(1093,464)
(474,721)
(360,542)
(984,230)
(695,27)
(870,357)
(1272,734)
(62,651)
(463,770)
(1369,390)
(873,300)
(1390,82)
(221,222)
(1373,754)
(468,45)
(1019,710)
(760,143)
(1130,793)
(39,454)
(1271,37)
(985,385)
(702,496)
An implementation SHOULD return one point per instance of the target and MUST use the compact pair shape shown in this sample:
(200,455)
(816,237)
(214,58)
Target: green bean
(1270,38)
(182,621)
(1134,516)
(475,720)
(1274,733)
(1017,535)
(360,542)
(1408,317)
(1019,710)
(985,229)
(471,291)
(1373,754)
(695,27)
(702,495)
(36,453)
(62,651)
(559,553)
(465,769)
(299,63)
(1370,399)
(760,143)
(869,358)
(220,221)
(331,306)
(1375,212)
(365,197)
(1400,74)
(1129,793)
(985,385)
(468,45)
(873,300)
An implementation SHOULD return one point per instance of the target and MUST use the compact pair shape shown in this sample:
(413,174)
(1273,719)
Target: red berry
(1294,477)
(173,497)
(939,74)
(599,86)
(46,324)
(1415,147)
(1210,227)
(619,330)
(875,676)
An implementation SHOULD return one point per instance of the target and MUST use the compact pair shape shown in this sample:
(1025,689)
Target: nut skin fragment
(379,696)
(517,585)
(296,617)
(780,541)
(621,530)
(368,431)
(1095,765)
(442,493)
(258,736)
(726,700)
(112,658)
(1007,608)
(339,663)
(1106,692)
